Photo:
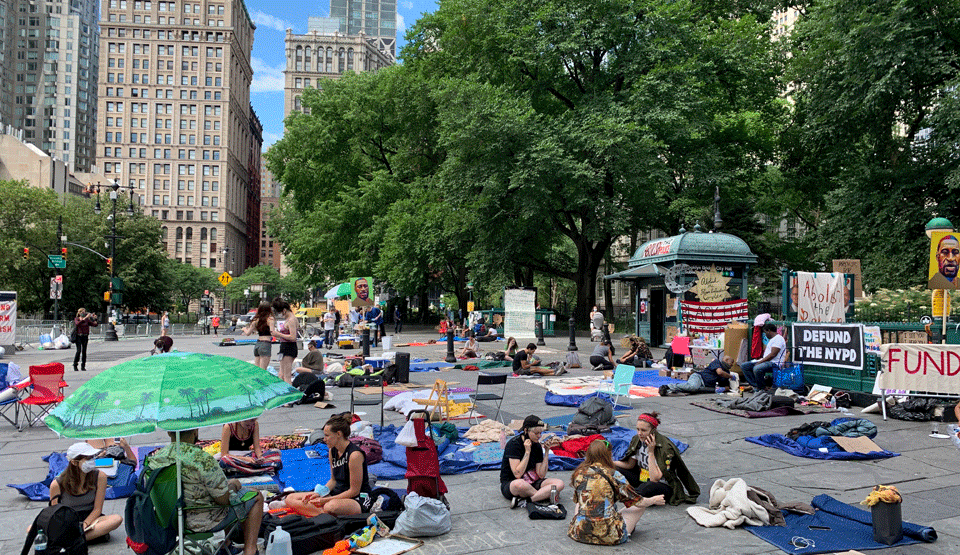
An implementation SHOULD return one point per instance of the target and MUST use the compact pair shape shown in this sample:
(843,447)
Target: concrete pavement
(926,471)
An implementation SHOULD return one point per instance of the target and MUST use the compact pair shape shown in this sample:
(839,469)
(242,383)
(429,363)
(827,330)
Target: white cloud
(266,20)
(269,138)
(401,23)
(407,5)
(266,78)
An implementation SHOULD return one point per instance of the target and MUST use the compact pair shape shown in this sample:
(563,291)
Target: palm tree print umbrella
(170,391)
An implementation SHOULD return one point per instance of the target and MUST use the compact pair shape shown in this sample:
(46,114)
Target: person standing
(83,322)
(216,324)
(263,324)
(397,320)
(286,332)
(375,321)
(165,324)
(329,328)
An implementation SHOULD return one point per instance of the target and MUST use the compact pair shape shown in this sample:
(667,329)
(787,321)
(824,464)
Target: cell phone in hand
(312,454)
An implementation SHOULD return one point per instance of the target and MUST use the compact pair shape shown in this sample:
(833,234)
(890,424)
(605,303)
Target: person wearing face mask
(82,487)
(652,464)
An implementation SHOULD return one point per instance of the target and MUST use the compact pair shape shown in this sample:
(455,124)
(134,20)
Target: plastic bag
(407,436)
(46,341)
(62,342)
(422,516)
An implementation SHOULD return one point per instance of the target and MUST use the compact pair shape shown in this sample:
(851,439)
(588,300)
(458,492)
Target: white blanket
(730,507)
(403,402)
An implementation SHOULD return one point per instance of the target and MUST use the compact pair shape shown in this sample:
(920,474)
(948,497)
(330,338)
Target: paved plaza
(926,473)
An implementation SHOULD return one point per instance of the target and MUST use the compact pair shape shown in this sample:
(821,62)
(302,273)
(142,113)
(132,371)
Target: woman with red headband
(653,466)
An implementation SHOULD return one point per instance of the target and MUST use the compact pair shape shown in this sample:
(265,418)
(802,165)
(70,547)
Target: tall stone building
(48,76)
(176,123)
(324,54)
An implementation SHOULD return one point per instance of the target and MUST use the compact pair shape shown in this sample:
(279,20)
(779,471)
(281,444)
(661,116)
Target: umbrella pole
(179,496)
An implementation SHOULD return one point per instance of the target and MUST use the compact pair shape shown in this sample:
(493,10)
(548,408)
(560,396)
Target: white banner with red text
(925,368)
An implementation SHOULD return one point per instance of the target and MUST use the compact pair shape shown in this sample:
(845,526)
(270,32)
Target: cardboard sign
(520,313)
(926,368)
(912,338)
(851,266)
(871,339)
(860,444)
(834,345)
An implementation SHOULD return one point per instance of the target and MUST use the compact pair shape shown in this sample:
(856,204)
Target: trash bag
(422,516)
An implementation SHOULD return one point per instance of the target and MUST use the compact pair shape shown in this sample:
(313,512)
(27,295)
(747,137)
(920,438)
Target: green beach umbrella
(341,290)
(171,391)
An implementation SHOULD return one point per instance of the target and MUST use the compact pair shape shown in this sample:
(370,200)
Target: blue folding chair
(622,380)
(8,397)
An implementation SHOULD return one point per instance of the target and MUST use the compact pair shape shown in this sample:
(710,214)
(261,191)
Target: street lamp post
(246,295)
(114,186)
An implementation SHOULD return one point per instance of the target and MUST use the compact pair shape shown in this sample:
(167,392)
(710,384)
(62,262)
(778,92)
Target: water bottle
(279,543)
(554,498)
(956,439)
(40,543)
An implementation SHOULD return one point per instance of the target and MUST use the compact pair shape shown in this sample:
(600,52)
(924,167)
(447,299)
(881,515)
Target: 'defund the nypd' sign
(835,345)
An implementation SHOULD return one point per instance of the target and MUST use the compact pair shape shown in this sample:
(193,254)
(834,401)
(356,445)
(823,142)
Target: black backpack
(64,532)
(145,535)
(595,411)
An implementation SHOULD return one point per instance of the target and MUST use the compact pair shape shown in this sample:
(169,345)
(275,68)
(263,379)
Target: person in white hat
(82,487)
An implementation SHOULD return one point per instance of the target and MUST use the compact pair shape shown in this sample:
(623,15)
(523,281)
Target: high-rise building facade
(377,19)
(176,122)
(316,56)
(48,76)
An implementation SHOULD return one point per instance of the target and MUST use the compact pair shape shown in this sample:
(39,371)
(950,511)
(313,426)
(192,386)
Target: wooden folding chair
(439,400)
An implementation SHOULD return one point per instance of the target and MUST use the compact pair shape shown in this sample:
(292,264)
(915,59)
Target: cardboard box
(733,335)
(664,372)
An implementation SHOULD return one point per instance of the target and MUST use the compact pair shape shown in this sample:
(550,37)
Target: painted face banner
(928,368)
(360,291)
(944,260)
(835,345)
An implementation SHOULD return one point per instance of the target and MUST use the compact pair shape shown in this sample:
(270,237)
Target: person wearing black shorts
(524,466)
(348,472)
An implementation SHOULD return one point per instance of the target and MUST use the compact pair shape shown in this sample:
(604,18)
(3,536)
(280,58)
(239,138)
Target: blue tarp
(788,445)
(121,485)
(429,366)
(652,378)
(301,472)
(574,400)
(847,528)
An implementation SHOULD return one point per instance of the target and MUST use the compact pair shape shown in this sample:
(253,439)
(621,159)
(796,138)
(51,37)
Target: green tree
(187,282)
(569,124)
(871,153)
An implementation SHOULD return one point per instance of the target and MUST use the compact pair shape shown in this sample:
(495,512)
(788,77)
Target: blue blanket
(652,378)
(574,400)
(429,366)
(847,528)
(121,485)
(301,472)
(811,450)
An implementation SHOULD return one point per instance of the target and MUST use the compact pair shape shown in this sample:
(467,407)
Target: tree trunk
(607,288)
(589,256)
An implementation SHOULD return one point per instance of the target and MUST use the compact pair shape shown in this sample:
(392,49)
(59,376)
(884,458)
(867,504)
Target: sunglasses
(606,442)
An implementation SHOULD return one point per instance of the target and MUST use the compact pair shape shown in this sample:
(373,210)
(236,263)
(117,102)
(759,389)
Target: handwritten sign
(711,286)
(820,297)
(851,266)
(520,313)
(8,317)
(835,345)
(927,368)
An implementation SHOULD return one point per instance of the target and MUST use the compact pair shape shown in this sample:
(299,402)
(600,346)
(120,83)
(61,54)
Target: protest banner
(920,368)
(821,297)
(8,318)
(833,345)
(519,313)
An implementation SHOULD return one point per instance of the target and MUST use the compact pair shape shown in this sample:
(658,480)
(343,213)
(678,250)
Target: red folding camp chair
(46,391)
(423,462)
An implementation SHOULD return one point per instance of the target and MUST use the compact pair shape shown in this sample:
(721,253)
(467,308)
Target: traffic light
(63,252)
(110,266)
(26,253)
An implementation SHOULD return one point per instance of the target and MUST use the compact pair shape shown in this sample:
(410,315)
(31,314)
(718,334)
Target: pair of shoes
(664,390)
(75,369)
(518,502)
(83,368)
(560,371)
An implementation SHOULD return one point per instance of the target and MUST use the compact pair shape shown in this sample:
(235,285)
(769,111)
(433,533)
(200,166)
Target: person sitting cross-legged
(205,485)
(524,466)
(525,365)
(716,373)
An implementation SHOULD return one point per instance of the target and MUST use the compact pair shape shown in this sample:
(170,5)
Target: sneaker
(560,371)
(664,390)
(515,502)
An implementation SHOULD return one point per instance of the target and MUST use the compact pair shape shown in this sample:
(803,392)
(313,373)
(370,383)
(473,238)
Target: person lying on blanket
(524,364)
(523,469)
(717,373)
(653,466)
(241,436)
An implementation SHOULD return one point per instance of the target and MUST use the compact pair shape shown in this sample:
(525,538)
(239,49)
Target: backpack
(370,447)
(64,532)
(145,536)
(594,411)
(573,360)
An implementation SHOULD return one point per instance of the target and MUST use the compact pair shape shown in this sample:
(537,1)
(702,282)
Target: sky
(272,20)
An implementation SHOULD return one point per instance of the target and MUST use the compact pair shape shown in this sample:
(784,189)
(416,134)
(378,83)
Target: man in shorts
(525,365)
(205,484)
